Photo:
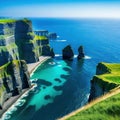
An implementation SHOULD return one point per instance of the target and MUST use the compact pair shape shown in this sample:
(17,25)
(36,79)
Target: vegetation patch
(108,109)
(37,37)
(111,77)
(4,21)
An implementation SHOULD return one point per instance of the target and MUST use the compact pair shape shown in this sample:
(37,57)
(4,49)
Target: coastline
(31,68)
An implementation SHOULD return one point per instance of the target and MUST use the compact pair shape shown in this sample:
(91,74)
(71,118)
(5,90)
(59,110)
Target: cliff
(14,77)
(107,106)
(107,77)
(18,41)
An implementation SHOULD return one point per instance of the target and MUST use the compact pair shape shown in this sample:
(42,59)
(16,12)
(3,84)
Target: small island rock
(67,53)
(81,53)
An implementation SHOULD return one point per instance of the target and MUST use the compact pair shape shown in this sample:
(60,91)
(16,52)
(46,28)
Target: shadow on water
(58,80)
(43,82)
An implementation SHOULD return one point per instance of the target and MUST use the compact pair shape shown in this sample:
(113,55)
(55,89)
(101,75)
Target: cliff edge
(18,45)
(107,77)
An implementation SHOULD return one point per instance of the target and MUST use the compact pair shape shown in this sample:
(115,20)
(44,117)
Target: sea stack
(67,53)
(81,54)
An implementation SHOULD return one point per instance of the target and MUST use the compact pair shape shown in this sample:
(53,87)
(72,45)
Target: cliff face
(18,41)
(107,78)
(14,77)
(23,39)
(8,48)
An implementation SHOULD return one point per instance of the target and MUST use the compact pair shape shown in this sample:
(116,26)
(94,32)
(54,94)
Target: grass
(4,21)
(113,76)
(5,70)
(40,37)
(8,47)
(108,109)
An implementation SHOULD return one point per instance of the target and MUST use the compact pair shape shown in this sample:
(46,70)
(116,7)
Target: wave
(61,40)
(20,103)
(75,56)
(88,57)
(6,116)
(58,55)
(25,95)
(51,63)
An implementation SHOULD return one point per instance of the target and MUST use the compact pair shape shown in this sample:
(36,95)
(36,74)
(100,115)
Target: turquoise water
(63,86)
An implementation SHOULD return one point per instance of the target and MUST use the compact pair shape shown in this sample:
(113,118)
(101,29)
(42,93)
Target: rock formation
(18,43)
(81,53)
(107,78)
(14,77)
(67,53)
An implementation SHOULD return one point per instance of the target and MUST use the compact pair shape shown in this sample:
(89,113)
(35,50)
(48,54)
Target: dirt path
(102,98)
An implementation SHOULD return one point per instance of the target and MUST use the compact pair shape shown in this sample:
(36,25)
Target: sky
(60,8)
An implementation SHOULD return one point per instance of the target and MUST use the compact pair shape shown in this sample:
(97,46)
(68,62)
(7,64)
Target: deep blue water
(64,86)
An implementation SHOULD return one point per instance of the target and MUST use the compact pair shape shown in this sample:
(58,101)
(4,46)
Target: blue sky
(60,8)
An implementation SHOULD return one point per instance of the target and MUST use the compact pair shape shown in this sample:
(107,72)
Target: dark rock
(52,54)
(81,53)
(102,69)
(47,51)
(67,53)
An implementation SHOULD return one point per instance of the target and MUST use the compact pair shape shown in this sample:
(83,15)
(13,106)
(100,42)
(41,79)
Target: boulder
(67,53)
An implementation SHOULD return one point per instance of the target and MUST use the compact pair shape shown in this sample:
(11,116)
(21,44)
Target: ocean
(62,87)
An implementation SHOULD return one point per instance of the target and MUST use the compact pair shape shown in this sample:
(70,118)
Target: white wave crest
(20,103)
(88,57)
(6,117)
(61,40)
(51,63)
(57,55)
(75,56)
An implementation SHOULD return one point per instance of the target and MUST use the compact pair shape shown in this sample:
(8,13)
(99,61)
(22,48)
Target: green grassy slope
(108,108)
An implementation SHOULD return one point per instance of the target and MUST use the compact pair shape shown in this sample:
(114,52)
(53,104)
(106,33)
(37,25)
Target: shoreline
(11,101)
(33,66)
